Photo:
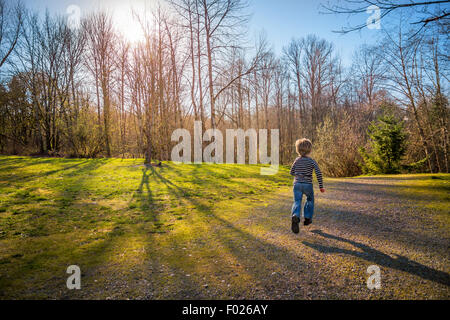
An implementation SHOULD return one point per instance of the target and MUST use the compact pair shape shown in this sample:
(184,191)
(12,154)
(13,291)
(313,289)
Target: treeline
(89,92)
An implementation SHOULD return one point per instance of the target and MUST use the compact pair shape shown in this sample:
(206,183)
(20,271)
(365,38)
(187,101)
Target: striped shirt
(302,170)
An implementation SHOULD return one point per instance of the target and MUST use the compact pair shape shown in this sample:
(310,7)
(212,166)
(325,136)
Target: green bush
(387,144)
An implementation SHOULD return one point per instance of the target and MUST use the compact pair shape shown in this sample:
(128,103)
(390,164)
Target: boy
(302,170)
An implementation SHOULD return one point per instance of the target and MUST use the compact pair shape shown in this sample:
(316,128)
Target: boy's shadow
(369,254)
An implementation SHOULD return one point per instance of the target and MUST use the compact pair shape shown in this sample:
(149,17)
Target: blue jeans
(301,189)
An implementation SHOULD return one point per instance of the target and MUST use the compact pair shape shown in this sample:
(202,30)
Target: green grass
(102,212)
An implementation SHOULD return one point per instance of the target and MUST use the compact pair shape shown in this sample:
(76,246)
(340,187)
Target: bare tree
(368,72)
(91,92)
(431,11)
(11,25)
(293,58)
(101,44)
(401,57)
(317,69)
(122,71)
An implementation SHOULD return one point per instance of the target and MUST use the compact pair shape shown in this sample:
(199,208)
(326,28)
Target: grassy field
(113,214)
(209,231)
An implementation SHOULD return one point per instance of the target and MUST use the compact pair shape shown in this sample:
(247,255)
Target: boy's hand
(322,190)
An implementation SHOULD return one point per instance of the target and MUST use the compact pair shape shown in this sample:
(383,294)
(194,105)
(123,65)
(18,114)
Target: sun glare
(126,22)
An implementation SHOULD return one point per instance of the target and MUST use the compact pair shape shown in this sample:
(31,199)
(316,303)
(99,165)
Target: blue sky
(285,19)
(282,20)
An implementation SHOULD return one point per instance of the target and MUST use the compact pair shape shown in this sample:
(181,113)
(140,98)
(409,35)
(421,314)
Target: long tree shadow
(255,250)
(29,266)
(145,195)
(22,177)
(369,254)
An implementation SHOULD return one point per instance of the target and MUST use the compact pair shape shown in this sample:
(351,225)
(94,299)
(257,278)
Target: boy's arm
(318,175)
(293,168)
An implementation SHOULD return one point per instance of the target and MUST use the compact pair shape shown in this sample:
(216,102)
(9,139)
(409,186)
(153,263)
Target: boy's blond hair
(303,147)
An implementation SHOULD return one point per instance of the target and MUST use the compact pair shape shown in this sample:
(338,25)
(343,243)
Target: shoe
(307,222)
(295,222)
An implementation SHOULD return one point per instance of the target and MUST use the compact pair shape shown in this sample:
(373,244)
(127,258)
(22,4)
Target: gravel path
(359,223)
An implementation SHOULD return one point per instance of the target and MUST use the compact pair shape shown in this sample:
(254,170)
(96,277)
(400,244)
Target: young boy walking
(303,183)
